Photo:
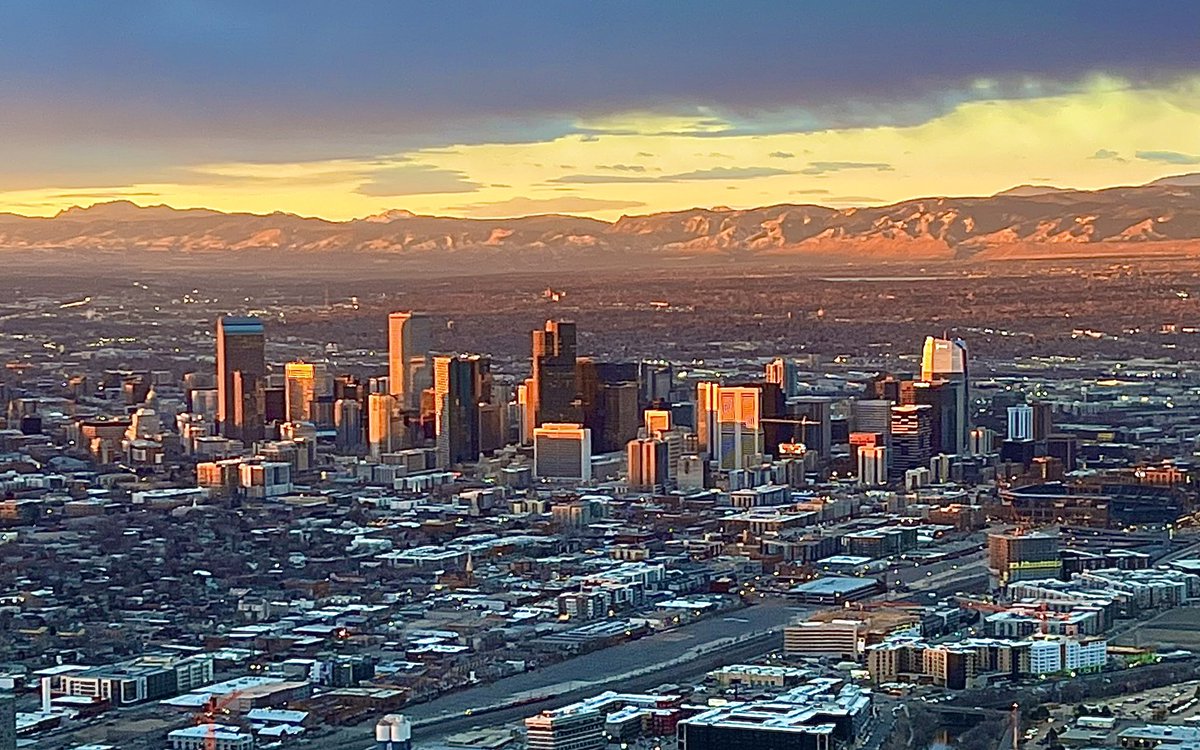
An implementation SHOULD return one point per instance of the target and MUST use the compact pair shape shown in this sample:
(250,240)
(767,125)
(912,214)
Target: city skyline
(592,111)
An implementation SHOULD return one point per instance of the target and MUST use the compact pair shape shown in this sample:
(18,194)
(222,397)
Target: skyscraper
(911,433)
(1020,422)
(303,383)
(555,387)
(383,426)
(562,451)
(945,359)
(729,424)
(872,466)
(347,420)
(647,460)
(241,367)
(782,372)
(462,385)
(943,399)
(409,337)
(607,402)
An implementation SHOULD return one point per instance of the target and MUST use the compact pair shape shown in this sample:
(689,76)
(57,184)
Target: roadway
(676,655)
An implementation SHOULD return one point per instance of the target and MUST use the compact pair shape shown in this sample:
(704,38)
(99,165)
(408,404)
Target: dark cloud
(100,94)
(825,167)
(781,155)
(1105,153)
(1168,157)
(172,70)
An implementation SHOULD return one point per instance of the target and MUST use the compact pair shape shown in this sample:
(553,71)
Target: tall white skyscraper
(409,371)
(1020,422)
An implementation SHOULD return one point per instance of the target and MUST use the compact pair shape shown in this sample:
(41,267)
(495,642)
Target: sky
(346,109)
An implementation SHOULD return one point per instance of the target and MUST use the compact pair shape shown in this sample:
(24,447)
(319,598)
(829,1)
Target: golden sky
(1105,131)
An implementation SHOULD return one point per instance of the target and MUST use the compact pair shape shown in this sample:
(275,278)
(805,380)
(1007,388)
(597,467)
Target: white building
(266,479)
(1020,422)
(1045,656)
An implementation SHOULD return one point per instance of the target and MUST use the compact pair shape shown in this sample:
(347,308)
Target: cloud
(728,173)
(809,191)
(524,206)
(713,173)
(622,167)
(855,199)
(1168,157)
(1105,153)
(781,155)
(603,179)
(416,179)
(104,194)
(825,167)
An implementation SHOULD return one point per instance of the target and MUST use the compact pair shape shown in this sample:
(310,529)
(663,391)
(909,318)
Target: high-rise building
(782,372)
(647,460)
(872,465)
(555,389)
(945,359)
(347,420)
(409,342)
(1020,422)
(729,425)
(815,429)
(571,728)
(383,424)
(942,398)
(527,417)
(607,402)
(656,420)
(303,383)
(911,438)
(1043,421)
(1023,557)
(873,415)
(241,369)
(462,384)
(982,441)
(657,381)
(562,451)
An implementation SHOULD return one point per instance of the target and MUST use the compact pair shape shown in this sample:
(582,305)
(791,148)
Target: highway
(680,654)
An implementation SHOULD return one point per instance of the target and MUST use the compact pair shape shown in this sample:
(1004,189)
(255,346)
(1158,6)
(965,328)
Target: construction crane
(1042,612)
(214,706)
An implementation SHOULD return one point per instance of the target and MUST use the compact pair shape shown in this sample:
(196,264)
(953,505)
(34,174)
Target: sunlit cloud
(1168,157)
(652,162)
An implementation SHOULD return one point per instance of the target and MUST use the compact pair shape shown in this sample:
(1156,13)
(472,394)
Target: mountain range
(1046,218)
